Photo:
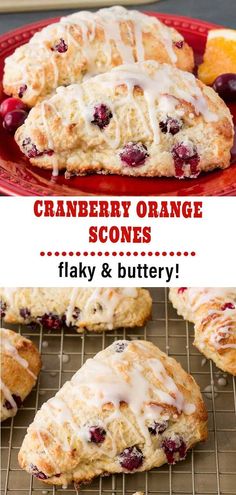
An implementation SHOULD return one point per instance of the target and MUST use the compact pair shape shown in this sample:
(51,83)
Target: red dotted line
(116,253)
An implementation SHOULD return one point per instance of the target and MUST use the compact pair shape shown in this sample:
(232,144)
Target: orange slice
(220,55)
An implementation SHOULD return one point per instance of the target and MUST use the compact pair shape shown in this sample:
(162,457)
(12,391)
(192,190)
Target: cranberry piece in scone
(102,115)
(170,126)
(134,154)
(97,434)
(131,458)
(185,156)
(60,47)
(227,305)
(157,428)
(175,449)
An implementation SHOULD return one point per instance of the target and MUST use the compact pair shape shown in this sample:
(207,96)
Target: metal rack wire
(210,469)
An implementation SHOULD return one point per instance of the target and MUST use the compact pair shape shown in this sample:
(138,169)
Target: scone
(84,44)
(130,408)
(20,366)
(91,309)
(144,119)
(213,311)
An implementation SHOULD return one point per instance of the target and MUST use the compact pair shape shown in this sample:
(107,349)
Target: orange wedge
(220,55)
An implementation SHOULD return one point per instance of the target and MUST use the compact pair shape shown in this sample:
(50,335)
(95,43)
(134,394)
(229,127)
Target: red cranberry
(38,474)
(134,154)
(51,321)
(3,308)
(22,90)
(102,116)
(158,428)
(181,290)
(227,305)
(97,434)
(185,155)
(25,313)
(32,151)
(179,44)
(121,345)
(60,47)
(76,313)
(14,119)
(11,104)
(225,86)
(170,126)
(131,458)
(175,449)
(17,400)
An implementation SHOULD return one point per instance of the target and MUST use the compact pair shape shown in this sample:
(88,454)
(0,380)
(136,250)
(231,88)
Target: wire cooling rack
(209,469)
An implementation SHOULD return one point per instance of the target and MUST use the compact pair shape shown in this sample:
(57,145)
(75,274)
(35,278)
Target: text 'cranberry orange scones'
(130,408)
(86,43)
(20,366)
(91,309)
(213,311)
(145,119)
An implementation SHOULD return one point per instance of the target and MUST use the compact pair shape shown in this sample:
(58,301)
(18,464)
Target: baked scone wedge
(130,408)
(145,119)
(20,366)
(213,312)
(84,44)
(93,309)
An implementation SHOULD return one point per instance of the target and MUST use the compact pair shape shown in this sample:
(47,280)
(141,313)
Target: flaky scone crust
(59,134)
(15,377)
(214,322)
(44,448)
(43,69)
(92,309)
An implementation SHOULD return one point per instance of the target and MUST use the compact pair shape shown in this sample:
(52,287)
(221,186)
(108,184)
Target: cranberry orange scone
(146,119)
(91,309)
(213,311)
(86,43)
(20,366)
(130,408)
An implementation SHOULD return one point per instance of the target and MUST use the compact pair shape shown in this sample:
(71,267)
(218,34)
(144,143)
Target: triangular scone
(20,366)
(94,309)
(86,43)
(213,311)
(145,119)
(130,408)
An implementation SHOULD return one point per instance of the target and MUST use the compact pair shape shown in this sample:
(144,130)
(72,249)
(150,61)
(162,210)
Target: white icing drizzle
(11,350)
(220,334)
(84,24)
(112,380)
(159,82)
(7,394)
(199,296)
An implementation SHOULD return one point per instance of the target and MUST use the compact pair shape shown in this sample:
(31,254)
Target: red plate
(18,177)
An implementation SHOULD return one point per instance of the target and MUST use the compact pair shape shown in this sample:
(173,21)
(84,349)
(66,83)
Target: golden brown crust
(93,46)
(96,309)
(213,312)
(60,133)
(18,377)
(124,391)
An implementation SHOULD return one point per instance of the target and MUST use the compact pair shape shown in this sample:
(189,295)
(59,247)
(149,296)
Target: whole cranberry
(97,434)
(175,449)
(102,115)
(131,458)
(14,119)
(225,86)
(134,154)
(11,104)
